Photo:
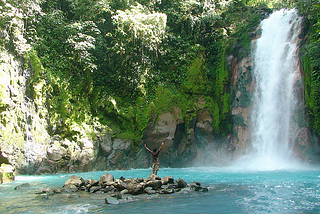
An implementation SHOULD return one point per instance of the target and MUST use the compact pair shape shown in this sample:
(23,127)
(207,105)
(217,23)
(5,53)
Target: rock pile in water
(125,189)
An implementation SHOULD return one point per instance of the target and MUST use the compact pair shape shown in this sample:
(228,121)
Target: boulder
(181,183)
(69,188)
(47,191)
(204,121)
(106,143)
(149,190)
(23,186)
(91,182)
(196,186)
(74,180)
(55,152)
(73,196)
(108,189)
(168,191)
(106,178)
(119,144)
(111,200)
(95,189)
(125,191)
(153,177)
(167,180)
(155,184)
(135,189)
(120,185)
(42,196)
(57,191)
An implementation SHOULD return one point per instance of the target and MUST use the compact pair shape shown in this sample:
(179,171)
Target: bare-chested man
(155,159)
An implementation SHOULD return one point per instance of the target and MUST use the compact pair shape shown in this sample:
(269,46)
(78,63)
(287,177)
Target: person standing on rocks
(155,159)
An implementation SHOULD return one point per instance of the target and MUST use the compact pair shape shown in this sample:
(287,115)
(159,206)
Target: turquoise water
(231,190)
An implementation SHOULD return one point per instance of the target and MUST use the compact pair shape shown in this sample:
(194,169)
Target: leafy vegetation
(121,62)
(310,9)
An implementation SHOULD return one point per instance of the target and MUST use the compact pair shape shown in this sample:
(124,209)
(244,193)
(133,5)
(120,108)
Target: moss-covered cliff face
(23,117)
(85,84)
(310,61)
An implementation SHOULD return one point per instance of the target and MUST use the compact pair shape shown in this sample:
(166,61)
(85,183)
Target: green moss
(196,79)
(36,64)
(308,89)
(216,117)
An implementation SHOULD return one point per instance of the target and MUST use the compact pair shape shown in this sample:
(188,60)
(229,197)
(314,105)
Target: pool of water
(231,190)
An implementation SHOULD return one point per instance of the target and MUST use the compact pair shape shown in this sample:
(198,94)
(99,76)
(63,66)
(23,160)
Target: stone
(195,183)
(109,183)
(155,184)
(91,182)
(111,200)
(204,189)
(69,188)
(149,190)
(57,191)
(23,186)
(181,183)
(125,191)
(106,178)
(106,143)
(196,188)
(168,191)
(153,177)
(108,189)
(167,180)
(74,180)
(74,196)
(55,152)
(167,124)
(48,191)
(204,121)
(95,189)
(120,185)
(135,189)
(42,196)
(118,144)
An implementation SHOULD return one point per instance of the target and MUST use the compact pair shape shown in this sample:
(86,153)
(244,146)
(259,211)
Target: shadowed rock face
(243,89)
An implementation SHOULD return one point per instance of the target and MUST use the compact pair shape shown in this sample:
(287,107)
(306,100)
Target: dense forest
(119,62)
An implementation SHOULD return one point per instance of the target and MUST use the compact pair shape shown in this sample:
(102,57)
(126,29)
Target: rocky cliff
(33,136)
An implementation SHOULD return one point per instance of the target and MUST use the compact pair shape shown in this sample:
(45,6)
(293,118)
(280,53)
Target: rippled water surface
(230,191)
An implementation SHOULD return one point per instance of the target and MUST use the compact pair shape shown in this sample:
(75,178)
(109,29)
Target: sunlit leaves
(140,24)
(82,42)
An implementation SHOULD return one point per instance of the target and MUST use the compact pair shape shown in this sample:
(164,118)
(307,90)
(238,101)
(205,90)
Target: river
(231,190)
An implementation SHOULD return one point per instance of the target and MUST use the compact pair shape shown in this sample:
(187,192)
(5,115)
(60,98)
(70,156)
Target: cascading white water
(275,70)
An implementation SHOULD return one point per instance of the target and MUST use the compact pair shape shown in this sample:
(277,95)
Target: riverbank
(231,190)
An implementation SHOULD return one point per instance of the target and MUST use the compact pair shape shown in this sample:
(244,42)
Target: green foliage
(311,61)
(36,64)
(124,61)
(216,117)
(196,81)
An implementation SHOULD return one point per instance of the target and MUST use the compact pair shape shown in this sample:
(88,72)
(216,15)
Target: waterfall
(274,100)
